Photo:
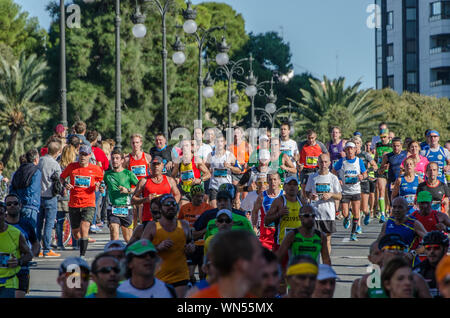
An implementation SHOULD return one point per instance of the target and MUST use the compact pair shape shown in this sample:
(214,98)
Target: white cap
(290,178)
(224,211)
(264,154)
(349,144)
(326,272)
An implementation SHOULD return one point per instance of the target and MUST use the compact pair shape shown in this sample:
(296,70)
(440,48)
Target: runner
(173,240)
(323,188)
(371,175)
(326,282)
(287,145)
(301,277)
(438,189)
(284,212)
(154,185)
(436,153)
(260,170)
(375,258)
(137,162)
(305,240)
(431,219)
(249,202)
(309,156)
(221,164)
(336,145)
(406,185)
(119,183)
(192,171)
(280,161)
(351,171)
(203,150)
(264,143)
(393,160)
(85,179)
(397,279)
(262,206)
(167,153)
(367,187)
(70,269)
(223,222)
(420,162)
(382,147)
(436,247)
(191,212)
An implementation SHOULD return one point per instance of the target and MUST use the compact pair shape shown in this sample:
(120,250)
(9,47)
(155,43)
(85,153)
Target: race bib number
(120,211)
(312,161)
(4,258)
(410,199)
(447,176)
(351,179)
(436,205)
(322,188)
(82,181)
(220,173)
(287,151)
(187,175)
(139,171)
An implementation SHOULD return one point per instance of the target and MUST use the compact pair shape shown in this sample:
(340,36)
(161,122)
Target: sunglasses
(108,269)
(228,221)
(434,247)
(151,254)
(12,203)
(393,248)
(171,203)
(307,215)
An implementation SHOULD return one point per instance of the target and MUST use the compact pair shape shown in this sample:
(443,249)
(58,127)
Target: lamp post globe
(179,58)
(271,108)
(251,91)
(139,30)
(234,108)
(208,92)
(190,27)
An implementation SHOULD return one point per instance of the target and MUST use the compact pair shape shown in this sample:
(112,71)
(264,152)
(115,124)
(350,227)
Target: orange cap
(443,268)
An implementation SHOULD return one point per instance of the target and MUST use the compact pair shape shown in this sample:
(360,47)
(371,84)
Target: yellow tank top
(9,245)
(290,221)
(187,176)
(174,266)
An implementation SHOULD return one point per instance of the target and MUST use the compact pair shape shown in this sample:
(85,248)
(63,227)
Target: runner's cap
(224,211)
(264,154)
(326,272)
(59,128)
(433,132)
(73,261)
(349,144)
(443,269)
(114,245)
(85,149)
(263,137)
(140,247)
(391,239)
(223,194)
(424,196)
(357,133)
(157,159)
(384,132)
(290,178)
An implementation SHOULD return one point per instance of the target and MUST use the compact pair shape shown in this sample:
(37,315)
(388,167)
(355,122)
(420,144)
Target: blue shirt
(338,165)
(118,295)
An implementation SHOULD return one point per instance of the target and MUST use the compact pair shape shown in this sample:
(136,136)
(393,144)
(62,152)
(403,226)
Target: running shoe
(346,223)
(353,237)
(95,229)
(367,219)
(382,218)
(91,240)
(51,254)
(358,230)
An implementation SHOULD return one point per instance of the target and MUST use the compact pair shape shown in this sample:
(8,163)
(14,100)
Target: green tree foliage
(18,31)
(332,104)
(21,111)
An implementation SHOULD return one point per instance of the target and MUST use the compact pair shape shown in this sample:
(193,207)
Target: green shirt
(239,223)
(381,150)
(113,180)
(311,246)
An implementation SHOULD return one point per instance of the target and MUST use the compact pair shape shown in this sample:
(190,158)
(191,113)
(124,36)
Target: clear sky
(327,37)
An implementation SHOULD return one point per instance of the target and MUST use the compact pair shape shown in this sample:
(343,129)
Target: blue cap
(85,149)
(433,132)
(357,133)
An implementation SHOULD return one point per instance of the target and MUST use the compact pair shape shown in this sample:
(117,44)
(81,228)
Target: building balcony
(440,49)
(441,82)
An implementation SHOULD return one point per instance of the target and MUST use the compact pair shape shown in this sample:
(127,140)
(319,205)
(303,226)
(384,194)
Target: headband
(302,269)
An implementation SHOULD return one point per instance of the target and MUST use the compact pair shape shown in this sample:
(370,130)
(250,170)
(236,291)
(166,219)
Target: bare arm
(383,230)
(174,189)
(285,245)
(396,189)
(206,174)
(354,292)
(149,231)
(287,164)
(363,290)
(419,229)
(274,212)
(25,252)
(136,199)
(175,169)
(255,210)
(384,163)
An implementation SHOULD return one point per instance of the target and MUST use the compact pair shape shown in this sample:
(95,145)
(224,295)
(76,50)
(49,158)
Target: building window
(439,10)
(411,30)
(390,20)
(411,78)
(390,52)
(391,81)
(411,14)
(379,83)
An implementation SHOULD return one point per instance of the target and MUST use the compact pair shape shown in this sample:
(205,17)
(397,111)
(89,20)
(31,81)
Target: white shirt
(328,183)
(289,147)
(158,290)
(249,201)
(204,151)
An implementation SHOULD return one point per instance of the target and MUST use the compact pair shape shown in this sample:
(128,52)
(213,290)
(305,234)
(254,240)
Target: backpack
(57,186)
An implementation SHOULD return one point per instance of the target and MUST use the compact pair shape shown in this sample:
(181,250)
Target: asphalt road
(349,260)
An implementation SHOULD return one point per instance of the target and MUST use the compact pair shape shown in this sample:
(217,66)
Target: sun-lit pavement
(349,259)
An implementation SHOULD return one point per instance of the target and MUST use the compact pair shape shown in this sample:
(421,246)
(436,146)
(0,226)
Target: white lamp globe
(271,108)
(234,108)
(190,26)
(222,59)
(178,58)
(139,30)
(208,92)
(251,91)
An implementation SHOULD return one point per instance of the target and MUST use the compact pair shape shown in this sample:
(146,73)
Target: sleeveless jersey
(438,193)
(366,158)
(428,221)
(311,246)
(9,245)
(349,175)
(266,233)
(288,222)
(241,152)
(395,160)
(219,174)
(187,174)
(335,152)
(408,191)
(380,149)
(174,266)
(405,230)
(154,188)
(439,158)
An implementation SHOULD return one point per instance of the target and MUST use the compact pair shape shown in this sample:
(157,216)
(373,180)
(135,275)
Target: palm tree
(21,86)
(330,104)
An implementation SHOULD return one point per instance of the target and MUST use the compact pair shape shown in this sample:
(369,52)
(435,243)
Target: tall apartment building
(413,46)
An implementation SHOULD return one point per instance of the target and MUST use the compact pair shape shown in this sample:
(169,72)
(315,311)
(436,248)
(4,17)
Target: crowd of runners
(218,216)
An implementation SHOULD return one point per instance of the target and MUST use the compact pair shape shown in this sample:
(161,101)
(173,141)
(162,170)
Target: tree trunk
(11,146)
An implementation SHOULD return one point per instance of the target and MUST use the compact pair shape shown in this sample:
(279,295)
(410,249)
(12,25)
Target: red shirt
(213,292)
(101,157)
(83,181)
(310,155)
(154,188)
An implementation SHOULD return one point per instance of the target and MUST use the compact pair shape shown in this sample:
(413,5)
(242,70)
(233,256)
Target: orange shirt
(309,156)
(241,152)
(191,213)
(83,181)
(213,292)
